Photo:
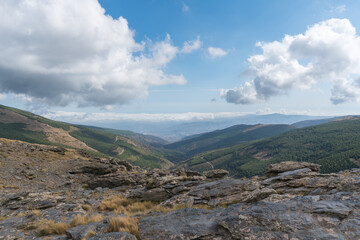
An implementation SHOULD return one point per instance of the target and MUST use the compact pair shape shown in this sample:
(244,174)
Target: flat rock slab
(298,218)
(182,224)
(114,236)
(274,169)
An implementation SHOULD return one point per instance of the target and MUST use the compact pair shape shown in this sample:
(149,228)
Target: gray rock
(298,218)
(80,232)
(182,224)
(289,175)
(42,204)
(114,236)
(155,194)
(274,169)
(216,173)
(223,188)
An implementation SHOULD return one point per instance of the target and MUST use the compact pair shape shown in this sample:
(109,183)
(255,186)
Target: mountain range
(242,149)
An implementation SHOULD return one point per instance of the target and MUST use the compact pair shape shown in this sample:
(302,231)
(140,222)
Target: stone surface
(295,202)
(182,224)
(216,173)
(114,236)
(274,169)
(80,232)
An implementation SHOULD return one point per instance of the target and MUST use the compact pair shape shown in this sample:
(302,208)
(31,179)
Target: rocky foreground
(111,199)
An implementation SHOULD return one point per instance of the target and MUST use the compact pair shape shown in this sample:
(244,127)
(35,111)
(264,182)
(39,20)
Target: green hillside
(148,139)
(226,137)
(21,125)
(334,145)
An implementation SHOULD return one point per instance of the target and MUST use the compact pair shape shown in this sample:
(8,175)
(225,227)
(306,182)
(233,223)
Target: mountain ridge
(322,144)
(21,125)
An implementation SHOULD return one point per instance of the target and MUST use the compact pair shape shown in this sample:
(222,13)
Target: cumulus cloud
(216,52)
(328,51)
(82,117)
(191,46)
(59,52)
(3,96)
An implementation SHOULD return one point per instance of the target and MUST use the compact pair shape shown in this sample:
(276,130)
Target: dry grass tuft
(124,224)
(113,203)
(90,234)
(85,220)
(139,207)
(52,228)
(87,207)
(161,208)
(36,212)
(118,204)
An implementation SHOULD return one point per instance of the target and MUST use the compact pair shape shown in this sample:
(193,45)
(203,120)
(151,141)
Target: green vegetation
(148,139)
(110,144)
(16,131)
(38,118)
(334,145)
(225,138)
(107,143)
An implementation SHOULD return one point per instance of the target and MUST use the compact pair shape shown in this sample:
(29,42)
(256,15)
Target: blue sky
(231,28)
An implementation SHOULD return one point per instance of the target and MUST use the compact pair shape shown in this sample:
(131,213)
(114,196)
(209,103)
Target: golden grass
(52,228)
(85,220)
(124,224)
(120,205)
(114,202)
(36,212)
(90,234)
(138,207)
(86,207)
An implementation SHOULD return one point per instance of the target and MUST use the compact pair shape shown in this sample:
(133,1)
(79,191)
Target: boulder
(183,224)
(274,169)
(216,173)
(114,236)
(223,188)
(81,232)
(297,218)
(155,194)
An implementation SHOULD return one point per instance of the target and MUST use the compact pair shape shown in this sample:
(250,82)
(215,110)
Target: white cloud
(82,117)
(339,9)
(191,46)
(59,52)
(3,96)
(327,52)
(216,52)
(185,8)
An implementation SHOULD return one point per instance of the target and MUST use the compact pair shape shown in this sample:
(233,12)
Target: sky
(179,60)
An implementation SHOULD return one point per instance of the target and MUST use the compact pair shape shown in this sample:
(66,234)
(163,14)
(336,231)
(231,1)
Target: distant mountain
(226,137)
(334,145)
(178,130)
(148,139)
(308,123)
(21,125)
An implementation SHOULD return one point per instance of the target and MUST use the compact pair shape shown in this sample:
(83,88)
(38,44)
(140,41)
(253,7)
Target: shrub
(52,228)
(124,224)
(84,220)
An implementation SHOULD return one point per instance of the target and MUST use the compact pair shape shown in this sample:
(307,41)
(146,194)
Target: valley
(65,181)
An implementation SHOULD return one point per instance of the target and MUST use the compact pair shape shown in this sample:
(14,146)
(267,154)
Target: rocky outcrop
(216,173)
(114,236)
(274,169)
(295,202)
(183,224)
